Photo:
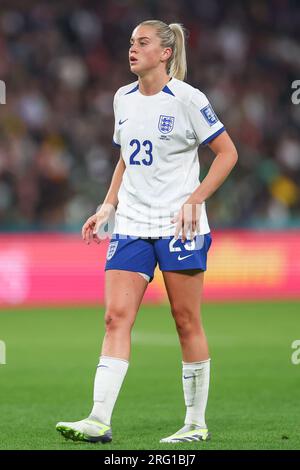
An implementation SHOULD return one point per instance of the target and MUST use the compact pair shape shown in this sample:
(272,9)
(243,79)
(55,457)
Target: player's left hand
(187,221)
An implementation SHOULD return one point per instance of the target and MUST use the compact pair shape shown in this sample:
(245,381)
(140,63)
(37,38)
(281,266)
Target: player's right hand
(93,223)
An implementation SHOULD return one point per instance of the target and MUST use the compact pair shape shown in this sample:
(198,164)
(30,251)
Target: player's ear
(166,54)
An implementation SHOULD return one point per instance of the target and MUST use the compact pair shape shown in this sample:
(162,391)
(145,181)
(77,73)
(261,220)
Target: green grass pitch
(51,355)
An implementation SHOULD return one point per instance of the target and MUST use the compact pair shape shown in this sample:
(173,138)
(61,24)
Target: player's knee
(187,322)
(116,318)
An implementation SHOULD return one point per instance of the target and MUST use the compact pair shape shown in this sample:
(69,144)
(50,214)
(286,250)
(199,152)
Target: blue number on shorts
(148,150)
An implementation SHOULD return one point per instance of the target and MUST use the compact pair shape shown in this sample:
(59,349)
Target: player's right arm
(93,223)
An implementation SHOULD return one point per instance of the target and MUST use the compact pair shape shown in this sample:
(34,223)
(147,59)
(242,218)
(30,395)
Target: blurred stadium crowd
(62,63)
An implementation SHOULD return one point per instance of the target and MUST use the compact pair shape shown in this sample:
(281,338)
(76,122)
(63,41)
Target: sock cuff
(195,364)
(108,360)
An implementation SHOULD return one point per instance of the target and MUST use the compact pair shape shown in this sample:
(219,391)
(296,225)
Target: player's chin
(134,67)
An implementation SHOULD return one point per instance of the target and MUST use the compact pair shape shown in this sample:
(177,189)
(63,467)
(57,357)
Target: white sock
(109,377)
(195,379)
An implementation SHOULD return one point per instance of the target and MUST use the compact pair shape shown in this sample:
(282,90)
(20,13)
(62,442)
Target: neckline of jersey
(155,94)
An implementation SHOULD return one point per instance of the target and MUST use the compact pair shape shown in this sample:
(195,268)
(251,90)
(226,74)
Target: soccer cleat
(88,430)
(188,433)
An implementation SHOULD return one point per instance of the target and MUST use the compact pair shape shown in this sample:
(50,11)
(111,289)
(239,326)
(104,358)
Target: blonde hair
(173,36)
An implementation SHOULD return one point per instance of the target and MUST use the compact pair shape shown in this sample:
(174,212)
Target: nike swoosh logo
(122,122)
(180,258)
(188,377)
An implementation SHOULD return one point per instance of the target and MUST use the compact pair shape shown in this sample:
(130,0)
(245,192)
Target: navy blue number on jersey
(147,144)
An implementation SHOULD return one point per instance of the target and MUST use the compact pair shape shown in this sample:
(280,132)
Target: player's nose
(132,48)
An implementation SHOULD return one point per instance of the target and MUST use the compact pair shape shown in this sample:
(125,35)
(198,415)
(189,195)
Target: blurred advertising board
(59,269)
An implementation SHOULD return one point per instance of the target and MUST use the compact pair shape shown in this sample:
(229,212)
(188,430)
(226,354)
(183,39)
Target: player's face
(145,52)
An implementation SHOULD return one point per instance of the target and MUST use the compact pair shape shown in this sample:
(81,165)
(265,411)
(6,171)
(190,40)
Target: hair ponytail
(172,36)
(177,63)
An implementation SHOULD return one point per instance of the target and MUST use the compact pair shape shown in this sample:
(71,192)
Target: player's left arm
(225,159)
(226,156)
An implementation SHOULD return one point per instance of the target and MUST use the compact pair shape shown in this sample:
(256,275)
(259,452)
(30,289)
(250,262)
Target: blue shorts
(142,254)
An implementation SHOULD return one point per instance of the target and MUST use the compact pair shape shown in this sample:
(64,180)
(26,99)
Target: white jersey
(159,137)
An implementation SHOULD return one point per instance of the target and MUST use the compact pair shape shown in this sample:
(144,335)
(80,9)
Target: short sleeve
(204,120)
(116,137)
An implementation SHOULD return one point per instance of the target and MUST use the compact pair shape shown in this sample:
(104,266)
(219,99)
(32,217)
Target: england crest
(111,250)
(165,124)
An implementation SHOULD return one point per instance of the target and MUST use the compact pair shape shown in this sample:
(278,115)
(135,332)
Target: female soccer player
(159,123)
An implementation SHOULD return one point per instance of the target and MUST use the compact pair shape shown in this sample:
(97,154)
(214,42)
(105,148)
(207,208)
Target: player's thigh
(124,291)
(184,289)
(183,265)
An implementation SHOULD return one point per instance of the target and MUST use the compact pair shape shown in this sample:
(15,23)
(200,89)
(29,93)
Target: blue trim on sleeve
(213,136)
(166,89)
(115,144)
(133,90)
